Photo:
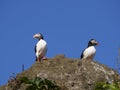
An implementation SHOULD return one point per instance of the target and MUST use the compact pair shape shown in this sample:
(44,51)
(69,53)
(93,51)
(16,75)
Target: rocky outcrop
(71,74)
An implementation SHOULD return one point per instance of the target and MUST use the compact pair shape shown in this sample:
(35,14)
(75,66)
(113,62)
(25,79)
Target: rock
(70,74)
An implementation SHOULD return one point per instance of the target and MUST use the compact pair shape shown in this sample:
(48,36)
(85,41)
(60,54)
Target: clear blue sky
(67,26)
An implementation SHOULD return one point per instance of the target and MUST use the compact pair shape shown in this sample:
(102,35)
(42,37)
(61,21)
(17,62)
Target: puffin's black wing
(35,48)
(35,52)
(82,55)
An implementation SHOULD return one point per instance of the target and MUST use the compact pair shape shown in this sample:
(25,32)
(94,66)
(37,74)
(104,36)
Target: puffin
(90,51)
(40,47)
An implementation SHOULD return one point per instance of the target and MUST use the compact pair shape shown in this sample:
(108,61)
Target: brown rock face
(70,74)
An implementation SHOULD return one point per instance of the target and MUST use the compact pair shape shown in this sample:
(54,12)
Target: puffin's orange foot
(38,60)
(44,58)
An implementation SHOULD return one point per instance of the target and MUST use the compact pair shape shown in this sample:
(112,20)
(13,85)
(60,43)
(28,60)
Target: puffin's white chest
(41,44)
(89,52)
(41,48)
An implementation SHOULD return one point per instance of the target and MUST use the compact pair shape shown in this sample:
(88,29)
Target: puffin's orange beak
(34,36)
(97,44)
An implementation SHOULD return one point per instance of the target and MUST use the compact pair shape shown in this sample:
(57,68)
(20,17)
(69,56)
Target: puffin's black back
(82,55)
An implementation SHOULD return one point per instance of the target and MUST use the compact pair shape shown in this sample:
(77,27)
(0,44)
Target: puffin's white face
(38,36)
(94,42)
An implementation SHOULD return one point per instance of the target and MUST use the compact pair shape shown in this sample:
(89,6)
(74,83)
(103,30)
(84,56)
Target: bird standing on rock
(40,47)
(90,51)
